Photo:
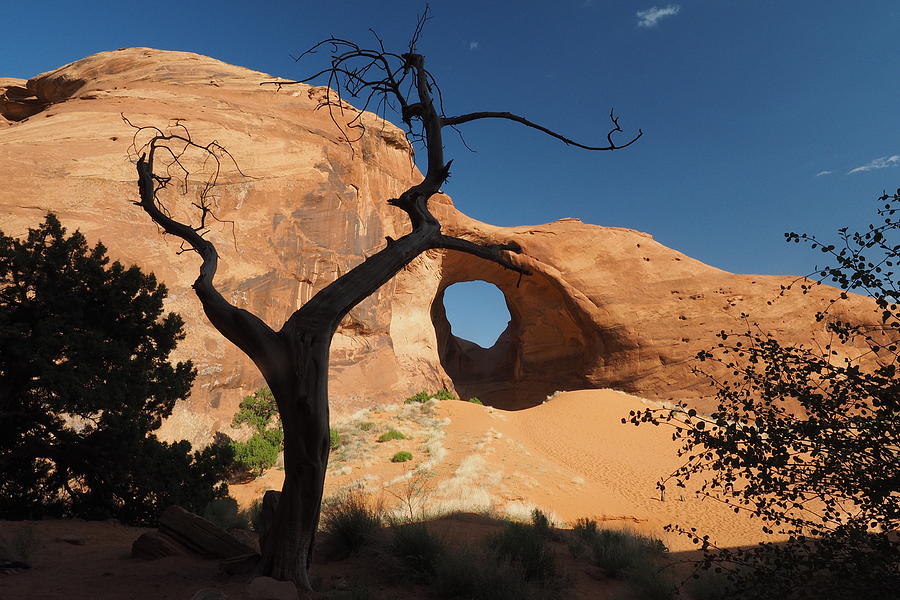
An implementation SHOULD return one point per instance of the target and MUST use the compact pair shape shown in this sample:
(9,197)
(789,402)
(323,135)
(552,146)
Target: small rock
(75,541)
(266,588)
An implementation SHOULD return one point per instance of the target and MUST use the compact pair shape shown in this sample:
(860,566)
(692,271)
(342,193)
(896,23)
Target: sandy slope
(571,456)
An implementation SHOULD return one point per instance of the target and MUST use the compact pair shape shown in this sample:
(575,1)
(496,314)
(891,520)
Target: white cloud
(820,173)
(879,163)
(473,45)
(651,16)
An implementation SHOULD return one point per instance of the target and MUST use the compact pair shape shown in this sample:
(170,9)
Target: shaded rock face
(605,307)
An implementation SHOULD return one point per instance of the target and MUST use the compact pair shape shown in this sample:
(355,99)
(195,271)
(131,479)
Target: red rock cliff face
(606,307)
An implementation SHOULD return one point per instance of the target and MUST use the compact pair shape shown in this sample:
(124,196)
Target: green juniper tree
(85,378)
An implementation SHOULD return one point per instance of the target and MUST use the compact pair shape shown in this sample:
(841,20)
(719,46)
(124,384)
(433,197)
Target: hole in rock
(476,311)
(548,344)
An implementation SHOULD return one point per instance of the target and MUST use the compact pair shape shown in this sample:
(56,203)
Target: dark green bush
(261,451)
(401,456)
(475,400)
(257,410)
(258,453)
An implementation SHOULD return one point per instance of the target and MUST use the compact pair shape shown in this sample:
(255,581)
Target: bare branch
(241,327)
(451,121)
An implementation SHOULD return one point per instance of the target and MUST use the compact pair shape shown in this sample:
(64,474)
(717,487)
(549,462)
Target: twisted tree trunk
(294,360)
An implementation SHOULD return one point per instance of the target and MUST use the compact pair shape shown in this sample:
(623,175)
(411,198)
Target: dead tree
(294,359)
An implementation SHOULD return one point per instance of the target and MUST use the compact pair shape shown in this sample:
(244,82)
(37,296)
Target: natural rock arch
(543,349)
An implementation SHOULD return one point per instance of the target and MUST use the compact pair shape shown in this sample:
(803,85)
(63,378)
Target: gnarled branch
(459,120)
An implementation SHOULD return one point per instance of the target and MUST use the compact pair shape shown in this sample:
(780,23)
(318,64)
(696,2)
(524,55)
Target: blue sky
(760,116)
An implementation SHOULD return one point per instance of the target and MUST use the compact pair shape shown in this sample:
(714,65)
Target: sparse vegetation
(423,396)
(401,456)
(392,434)
(334,438)
(349,522)
(475,400)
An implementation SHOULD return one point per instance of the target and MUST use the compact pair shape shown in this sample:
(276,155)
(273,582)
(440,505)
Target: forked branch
(244,329)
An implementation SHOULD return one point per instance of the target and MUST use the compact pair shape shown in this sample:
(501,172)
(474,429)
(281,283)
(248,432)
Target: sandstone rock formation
(606,307)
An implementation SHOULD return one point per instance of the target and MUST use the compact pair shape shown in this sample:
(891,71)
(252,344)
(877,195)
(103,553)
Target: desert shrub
(334,438)
(586,530)
(474,575)
(366,425)
(475,400)
(419,550)
(86,379)
(393,434)
(648,582)
(258,453)
(542,525)
(443,395)
(619,552)
(524,546)
(349,522)
(18,545)
(253,515)
(357,591)
(401,456)
(224,513)
(707,584)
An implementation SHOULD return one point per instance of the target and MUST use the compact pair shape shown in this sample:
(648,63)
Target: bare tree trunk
(302,397)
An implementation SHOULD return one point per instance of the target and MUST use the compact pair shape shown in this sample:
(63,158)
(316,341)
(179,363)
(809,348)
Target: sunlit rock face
(604,307)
